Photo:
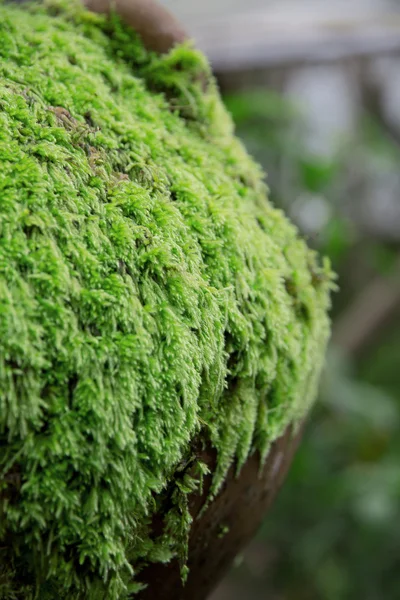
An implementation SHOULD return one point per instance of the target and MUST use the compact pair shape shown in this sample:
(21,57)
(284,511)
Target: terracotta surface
(159,30)
(239,507)
(243,501)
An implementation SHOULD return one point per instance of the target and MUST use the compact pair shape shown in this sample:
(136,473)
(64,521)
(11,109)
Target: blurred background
(314,89)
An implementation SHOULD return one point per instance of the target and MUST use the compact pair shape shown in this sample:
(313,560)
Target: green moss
(150,296)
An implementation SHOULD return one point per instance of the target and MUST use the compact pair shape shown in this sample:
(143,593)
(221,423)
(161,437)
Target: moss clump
(150,296)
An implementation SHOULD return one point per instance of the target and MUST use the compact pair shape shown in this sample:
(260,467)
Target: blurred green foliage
(335,529)
(334,534)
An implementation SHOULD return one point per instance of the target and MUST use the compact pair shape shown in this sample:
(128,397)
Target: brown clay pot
(239,507)
(243,500)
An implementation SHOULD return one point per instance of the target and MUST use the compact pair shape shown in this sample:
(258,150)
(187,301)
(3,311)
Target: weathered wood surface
(256,43)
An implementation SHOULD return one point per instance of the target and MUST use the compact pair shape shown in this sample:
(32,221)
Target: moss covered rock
(151,299)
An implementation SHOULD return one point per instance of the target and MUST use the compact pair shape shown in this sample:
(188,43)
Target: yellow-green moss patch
(150,295)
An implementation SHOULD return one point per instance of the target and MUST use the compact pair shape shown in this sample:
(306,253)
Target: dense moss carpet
(150,295)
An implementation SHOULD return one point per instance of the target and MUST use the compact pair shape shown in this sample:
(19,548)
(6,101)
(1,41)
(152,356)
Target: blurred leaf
(383,258)
(258,104)
(375,491)
(317,173)
(337,238)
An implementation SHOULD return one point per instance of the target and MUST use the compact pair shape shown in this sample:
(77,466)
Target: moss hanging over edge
(150,296)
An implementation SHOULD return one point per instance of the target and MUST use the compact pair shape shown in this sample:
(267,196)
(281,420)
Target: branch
(369,313)
(374,104)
